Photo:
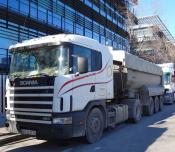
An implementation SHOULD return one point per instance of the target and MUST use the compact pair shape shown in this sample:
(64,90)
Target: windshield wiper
(15,76)
(40,74)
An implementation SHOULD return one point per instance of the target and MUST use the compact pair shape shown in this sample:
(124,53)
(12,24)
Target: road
(151,134)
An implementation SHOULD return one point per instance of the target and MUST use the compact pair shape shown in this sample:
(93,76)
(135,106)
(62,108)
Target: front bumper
(169,98)
(53,131)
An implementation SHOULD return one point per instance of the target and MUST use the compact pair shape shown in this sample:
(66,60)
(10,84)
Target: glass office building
(103,20)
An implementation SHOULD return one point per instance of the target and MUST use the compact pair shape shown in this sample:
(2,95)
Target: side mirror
(82,64)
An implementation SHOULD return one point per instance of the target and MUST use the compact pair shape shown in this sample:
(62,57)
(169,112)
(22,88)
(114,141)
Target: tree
(155,48)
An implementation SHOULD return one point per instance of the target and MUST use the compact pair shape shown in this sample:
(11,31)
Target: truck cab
(53,82)
(169,81)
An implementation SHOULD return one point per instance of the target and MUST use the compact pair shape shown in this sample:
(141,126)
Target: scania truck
(63,86)
(169,82)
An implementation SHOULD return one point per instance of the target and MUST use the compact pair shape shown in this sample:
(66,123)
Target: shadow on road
(124,138)
(9,139)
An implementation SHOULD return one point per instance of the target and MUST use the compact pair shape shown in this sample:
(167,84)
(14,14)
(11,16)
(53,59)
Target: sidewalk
(5,136)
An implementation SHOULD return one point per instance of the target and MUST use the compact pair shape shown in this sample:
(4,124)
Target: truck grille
(31,104)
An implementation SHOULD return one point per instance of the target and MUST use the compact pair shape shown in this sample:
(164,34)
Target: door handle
(92,89)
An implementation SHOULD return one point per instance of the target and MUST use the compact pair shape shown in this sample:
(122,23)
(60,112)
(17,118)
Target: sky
(164,8)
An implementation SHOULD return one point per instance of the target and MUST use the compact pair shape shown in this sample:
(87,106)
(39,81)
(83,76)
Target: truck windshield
(51,61)
(166,77)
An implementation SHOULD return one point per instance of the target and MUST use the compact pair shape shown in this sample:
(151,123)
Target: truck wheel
(149,109)
(172,98)
(156,104)
(161,101)
(94,125)
(137,112)
(134,109)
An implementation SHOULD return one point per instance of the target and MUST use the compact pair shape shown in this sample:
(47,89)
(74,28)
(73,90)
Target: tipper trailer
(65,85)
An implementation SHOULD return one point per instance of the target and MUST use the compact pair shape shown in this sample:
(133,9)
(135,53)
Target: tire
(149,109)
(134,109)
(161,102)
(94,125)
(156,104)
(172,99)
(137,112)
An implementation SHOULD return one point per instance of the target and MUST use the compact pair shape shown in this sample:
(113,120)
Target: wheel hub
(95,125)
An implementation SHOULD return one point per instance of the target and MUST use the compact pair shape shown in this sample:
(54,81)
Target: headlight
(64,120)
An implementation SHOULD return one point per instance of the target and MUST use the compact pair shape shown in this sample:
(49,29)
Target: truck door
(83,89)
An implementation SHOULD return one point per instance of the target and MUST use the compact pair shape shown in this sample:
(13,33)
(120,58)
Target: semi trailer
(169,82)
(63,86)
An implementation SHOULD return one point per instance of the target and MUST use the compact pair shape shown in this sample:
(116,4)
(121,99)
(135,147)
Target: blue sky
(164,8)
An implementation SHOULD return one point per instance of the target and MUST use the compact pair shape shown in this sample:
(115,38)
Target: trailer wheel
(156,104)
(149,109)
(94,125)
(161,101)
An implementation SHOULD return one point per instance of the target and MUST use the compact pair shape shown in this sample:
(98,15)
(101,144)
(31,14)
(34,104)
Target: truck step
(111,117)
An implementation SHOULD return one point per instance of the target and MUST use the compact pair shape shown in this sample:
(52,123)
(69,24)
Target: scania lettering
(33,82)
(65,86)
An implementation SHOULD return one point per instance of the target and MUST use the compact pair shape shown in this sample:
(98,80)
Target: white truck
(64,86)
(169,82)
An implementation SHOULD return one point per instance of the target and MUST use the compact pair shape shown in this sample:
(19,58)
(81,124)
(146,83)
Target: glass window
(57,20)
(87,2)
(24,7)
(96,6)
(33,10)
(3,2)
(50,61)
(102,9)
(166,78)
(79,29)
(50,17)
(102,40)
(68,25)
(42,14)
(81,52)
(108,42)
(96,36)
(96,60)
(69,13)
(88,33)
(14,4)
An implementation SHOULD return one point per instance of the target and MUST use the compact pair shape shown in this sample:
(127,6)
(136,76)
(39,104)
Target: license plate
(28,132)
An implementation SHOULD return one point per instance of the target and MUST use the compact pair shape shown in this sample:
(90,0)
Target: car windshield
(166,77)
(48,61)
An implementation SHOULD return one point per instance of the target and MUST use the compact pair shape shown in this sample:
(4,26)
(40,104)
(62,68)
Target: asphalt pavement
(151,134)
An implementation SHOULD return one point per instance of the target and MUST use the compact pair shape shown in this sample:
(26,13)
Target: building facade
(152,40)
(103,20)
